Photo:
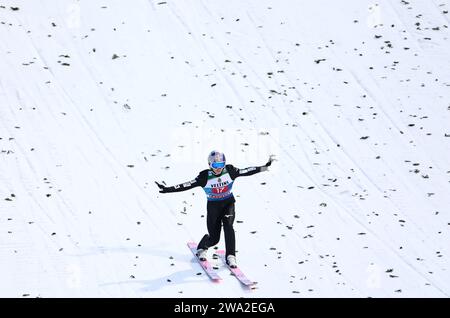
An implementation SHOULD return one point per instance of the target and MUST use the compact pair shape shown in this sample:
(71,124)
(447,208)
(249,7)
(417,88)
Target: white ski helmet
(216,160)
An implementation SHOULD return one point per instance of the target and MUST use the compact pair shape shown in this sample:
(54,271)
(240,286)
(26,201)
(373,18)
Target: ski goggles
(218,165)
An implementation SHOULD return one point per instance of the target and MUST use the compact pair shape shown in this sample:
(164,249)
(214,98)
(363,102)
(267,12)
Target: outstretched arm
(177,188)
(200,181)
(236,172)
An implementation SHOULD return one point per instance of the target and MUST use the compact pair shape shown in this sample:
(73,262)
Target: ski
(204,264)
(237,271)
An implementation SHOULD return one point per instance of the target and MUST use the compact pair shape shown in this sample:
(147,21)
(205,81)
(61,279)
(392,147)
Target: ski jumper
(220,206)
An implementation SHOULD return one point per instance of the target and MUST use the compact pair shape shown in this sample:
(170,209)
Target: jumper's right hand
(162,188)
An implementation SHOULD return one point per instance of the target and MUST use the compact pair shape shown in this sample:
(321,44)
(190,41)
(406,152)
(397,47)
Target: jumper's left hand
(271,159)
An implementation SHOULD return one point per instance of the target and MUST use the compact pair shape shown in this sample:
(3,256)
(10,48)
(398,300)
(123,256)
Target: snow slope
(98,99)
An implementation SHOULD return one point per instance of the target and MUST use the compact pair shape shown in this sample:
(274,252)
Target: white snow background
(98,99)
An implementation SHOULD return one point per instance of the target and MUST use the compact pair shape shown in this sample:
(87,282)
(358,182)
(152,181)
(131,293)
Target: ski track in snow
(99,100)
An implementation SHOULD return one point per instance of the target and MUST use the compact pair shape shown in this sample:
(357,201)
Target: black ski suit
(220,206)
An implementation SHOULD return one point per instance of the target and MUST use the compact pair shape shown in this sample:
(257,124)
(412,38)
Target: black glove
(270,161)
(162,188)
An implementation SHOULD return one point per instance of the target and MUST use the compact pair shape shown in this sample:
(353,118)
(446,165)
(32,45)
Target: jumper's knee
(213,240)
(227,223)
